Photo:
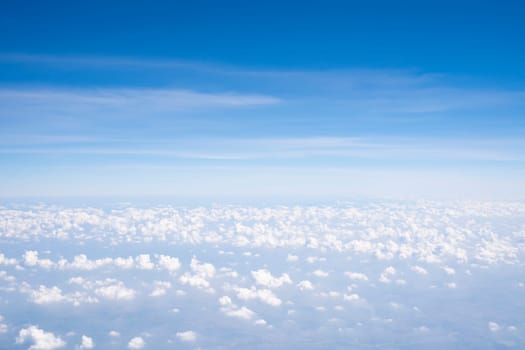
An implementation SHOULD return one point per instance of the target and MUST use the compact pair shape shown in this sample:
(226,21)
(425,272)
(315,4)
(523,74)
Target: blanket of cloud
(360,275)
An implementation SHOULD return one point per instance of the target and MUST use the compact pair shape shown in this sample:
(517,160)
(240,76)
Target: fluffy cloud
(41,339)
(265,278)
(115,290)
(187,336)
(199,278)
(387,274)
(320,273)
(264,295)
(87,342)
(169,263)
(242,313)
(357,276)
(136,343)
(305,285)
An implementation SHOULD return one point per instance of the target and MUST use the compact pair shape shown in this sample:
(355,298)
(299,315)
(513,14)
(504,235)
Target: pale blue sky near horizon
(297,100)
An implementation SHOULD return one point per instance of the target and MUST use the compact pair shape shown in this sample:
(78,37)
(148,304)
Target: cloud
(225,300)
(87,342)
(305,285)
(115,290)
(136,343)
(45,295)
(143,262)
(387,274)
(187,336)
(419,270)
(160,288)
(356,276)
(41,340)
(169,263)
(320,273)
(119,103)
(242,313)
(264,295)
(202,272)
(264,277)
(494,327)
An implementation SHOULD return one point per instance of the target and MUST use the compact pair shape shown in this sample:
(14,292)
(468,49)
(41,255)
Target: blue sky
(244,99)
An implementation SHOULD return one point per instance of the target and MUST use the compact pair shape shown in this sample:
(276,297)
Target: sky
(262,99)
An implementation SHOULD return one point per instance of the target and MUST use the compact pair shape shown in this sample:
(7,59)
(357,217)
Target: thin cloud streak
(301,148)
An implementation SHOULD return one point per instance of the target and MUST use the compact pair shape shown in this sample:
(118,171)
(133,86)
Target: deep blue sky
(374,98)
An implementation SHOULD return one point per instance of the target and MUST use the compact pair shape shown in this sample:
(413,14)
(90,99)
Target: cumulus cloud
(264,295)
(242,313)
(87,342)
(264,277)
(292,258)
(169,263)
(187,336)
(387,274)
(41,339)
(305,285)
(419,270)
(115,290)
(45,295)
(357,276)
(494,327)
(136,343)
(320,273)
(160,289)
(201,273)
(143,262)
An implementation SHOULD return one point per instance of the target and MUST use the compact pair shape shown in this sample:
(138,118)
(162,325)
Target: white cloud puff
(115,290)
(169,263)
(356,276)
(305,285)
(387,274)
(320,273)
(242,313)
(87,342)
(136,343)
(494,327)
(41,339)
(187,336)
(264,277)
(264,295)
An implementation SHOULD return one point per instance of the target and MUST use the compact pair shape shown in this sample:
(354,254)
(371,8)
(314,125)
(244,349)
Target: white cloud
(494,327)
(358,276)
(7,261)
(305,285)
(187,336)
(202,271)
(264,277)
(263,295)
(419,270)
(136,343)
(449,270)
(161,288)
(114,334)
(143,262)
(387,274)
(320,273)
(115,290)
(260,322)
(243,313)
(292,258)
(169,263)
(41,340)
(87,342)
(45,295)
(351,297)
(225,300)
